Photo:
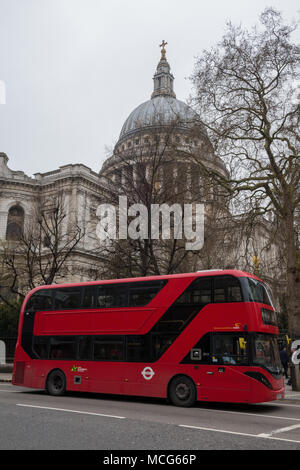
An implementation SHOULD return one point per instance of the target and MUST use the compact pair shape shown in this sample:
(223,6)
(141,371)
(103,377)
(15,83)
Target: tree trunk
(293,279)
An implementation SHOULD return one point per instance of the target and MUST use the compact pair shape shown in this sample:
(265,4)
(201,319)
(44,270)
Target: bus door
(222,378)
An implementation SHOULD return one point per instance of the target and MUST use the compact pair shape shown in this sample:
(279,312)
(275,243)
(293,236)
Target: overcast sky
(75,69)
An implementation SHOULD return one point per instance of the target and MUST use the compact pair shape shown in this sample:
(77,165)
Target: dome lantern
(163,79)
(162,109)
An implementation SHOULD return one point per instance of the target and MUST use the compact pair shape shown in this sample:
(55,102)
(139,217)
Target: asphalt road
(32,420)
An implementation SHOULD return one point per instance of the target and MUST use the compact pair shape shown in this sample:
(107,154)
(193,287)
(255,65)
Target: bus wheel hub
(182,391)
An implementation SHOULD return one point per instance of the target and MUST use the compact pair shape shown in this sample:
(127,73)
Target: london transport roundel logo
(148,373)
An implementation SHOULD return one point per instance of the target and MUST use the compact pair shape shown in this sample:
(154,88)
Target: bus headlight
(260,377)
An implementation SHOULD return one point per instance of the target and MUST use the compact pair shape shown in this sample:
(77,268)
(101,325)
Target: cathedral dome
(161,110)
(161,119)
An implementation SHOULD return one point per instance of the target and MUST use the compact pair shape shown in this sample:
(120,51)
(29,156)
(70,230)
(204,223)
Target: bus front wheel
(182,391)
(56,383)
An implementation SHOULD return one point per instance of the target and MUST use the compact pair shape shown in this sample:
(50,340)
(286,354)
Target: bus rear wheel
(56,383)
(182,391)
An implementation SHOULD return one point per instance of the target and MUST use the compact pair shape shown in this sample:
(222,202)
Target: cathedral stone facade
(80,190)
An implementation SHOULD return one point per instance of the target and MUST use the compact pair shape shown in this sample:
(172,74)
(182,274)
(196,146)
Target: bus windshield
(266,353)
(256,291)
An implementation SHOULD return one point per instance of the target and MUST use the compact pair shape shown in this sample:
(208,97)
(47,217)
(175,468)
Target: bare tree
(147,175)
(246,94)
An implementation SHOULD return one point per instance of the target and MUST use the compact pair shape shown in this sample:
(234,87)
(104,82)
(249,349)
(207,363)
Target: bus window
(198,293)
(141,293)
(176,318)
(139,348)
(256,291)
(85,348)
(108,348)
(109,296)
(88,297)
(229,349)
(63,347)
(186,307)
(41,346)
(160,343)
(135,294)
(227,289)
(67,298)
(40,300)
(266,353)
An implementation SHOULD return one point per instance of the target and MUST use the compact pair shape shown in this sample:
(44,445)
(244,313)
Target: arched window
(15,223)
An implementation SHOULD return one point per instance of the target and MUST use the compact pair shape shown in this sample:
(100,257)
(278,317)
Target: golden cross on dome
(163,50)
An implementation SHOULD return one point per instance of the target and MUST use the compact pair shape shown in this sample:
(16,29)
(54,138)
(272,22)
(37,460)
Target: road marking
(11,391)
(253,414)
(261,436)
(281,405)
(280,430)
(70,411)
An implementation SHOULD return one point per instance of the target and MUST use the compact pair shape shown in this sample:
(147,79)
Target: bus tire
(56,383)
(182,391)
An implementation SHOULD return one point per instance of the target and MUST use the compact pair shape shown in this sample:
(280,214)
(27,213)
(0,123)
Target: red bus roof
(209,272)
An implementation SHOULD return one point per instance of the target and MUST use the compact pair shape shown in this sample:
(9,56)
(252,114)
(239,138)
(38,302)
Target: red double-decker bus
(209,336)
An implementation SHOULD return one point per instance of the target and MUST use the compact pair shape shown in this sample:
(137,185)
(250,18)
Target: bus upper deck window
(40,300)
(227,289)
(257,291)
